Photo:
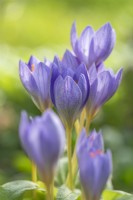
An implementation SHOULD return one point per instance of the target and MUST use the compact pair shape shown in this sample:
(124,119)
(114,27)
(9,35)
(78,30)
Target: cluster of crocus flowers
(78,83)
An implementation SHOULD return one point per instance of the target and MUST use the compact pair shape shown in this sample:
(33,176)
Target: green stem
(34,179)
(88,122)
(34,172)
(50,191)
(79,125)
(69,155)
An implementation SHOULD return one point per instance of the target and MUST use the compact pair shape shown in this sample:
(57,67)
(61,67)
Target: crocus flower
(95,166)
(35,77)
(103,85)
(93,47)
(43,139)
(69,89)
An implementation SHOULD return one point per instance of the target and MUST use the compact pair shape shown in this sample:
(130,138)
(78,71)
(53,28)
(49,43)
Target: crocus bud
(69,88)
(43,139)
(95,166)
(103,85)
(35,77)
(93,47)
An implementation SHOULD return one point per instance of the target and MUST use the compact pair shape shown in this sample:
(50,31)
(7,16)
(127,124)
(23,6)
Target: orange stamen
(32,67)
(97,152)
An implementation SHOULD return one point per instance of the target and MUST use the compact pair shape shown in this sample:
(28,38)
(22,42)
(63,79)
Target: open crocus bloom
(93,47)
(69,89)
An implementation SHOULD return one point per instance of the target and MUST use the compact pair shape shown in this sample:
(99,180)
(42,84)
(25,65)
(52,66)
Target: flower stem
(69,154)
(50,191)
(88,122)
(78,127)
(34,178)
(34,173)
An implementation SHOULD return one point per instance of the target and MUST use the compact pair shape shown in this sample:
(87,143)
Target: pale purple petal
(70,60)
(95,166)
(85,39)
(68,99)
(55,74)
(104,40)
(27,78)
(42,76)
(43,139)
(33,61)
(73,35)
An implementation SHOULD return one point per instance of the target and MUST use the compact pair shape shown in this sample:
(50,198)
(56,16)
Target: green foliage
(116,195)
(17,190)
(66,194)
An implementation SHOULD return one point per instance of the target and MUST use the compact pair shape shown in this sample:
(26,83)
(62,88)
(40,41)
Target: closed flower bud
(35,77)
(95,166)
(43,139)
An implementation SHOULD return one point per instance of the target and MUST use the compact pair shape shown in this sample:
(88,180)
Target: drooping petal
(68,99)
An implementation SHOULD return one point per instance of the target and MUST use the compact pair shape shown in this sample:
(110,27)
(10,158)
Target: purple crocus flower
(43,139)
(95,166)
(35,77)
(103,85)
(69,88)
(93,47)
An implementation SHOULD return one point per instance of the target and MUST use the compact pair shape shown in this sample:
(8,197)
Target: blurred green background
(42,28)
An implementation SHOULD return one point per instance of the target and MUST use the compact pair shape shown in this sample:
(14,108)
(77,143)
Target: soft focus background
(42,28)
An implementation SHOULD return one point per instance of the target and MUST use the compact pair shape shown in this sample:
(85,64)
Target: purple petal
(104,163)
(33,61)
(82,83)
(73,35)
(82,70)
(27,78)
(85,40)
(42,77)
(55,74)
(107,86)
(43,139)
(69,60)
(68,99)
(28,139)
(104,40)
(94,166)
(55,126)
